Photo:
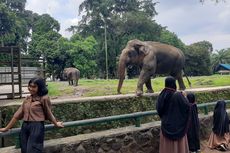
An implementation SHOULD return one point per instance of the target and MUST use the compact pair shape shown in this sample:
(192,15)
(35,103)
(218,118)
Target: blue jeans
(32,137)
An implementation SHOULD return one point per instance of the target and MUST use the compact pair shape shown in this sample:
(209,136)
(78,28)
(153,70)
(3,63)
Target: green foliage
(220,57)
(44,24)
(170,38)
(8,23)
(205,44)
(198,60)
(83,54)
(123,20)
(15,23)
(100,87)
(45,42)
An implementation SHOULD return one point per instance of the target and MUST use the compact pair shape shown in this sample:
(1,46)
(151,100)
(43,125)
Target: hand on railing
(3,129)
(59,124)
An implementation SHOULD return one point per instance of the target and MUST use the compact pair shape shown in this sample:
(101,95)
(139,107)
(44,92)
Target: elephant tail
(189,83)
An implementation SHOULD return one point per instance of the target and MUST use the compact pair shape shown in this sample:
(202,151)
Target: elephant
(72,75)
(152,58)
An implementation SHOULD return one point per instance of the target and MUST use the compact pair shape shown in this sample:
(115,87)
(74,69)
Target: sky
(190,20)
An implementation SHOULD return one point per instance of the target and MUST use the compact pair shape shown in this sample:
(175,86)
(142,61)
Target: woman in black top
(173,109)
(193,133)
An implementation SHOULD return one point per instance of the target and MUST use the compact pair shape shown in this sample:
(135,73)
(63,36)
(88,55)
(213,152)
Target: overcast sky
(191,20)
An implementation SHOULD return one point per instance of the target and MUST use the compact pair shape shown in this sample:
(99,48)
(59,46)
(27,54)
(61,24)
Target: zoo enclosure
(14,75)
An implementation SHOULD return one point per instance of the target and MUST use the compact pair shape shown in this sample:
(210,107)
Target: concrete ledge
(110,97)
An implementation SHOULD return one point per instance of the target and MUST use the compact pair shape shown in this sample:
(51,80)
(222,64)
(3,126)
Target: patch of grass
(59,89)
(100,87)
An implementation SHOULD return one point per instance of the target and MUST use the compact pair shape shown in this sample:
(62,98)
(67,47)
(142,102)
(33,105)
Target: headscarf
(163,99)
(220,119)
(191,98)
(193,133)
(173,109)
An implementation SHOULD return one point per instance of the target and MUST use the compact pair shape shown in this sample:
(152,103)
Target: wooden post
(1,140)
(12,70)
(19,73)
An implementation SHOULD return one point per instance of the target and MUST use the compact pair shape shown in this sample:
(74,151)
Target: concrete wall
(144,139)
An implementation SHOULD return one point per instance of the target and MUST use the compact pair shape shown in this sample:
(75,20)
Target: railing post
(1,125)
(17,138)
(17,141)
(137,121)
(206,110)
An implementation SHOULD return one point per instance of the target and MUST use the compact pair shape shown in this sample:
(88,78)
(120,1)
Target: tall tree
(15,23)
(198,61)
(8,28)
(123,20)
(83,53)
(44,41)
(220,57)
(170,38)
(72,29)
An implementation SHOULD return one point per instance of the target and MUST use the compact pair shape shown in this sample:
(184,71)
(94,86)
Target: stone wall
(144,139)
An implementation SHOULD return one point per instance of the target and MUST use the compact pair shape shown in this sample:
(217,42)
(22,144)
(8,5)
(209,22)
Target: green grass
(98,87)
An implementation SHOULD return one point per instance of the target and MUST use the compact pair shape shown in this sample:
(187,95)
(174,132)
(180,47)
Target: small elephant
(153,58)
(72,75)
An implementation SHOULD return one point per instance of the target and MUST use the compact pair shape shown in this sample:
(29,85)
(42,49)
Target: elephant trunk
(121,74)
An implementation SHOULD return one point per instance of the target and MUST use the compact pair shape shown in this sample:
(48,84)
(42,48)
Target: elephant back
(72,73)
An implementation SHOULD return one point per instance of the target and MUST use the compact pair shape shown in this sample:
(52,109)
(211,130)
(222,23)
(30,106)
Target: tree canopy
(111,22)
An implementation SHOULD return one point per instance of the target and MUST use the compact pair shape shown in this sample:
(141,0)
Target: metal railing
(136,116)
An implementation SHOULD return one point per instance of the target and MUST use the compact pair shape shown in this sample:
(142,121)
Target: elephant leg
(149,86)
(76,82)
(69,82)
(179,78)
(143,78)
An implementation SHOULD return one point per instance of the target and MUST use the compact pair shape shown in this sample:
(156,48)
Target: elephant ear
(142,47)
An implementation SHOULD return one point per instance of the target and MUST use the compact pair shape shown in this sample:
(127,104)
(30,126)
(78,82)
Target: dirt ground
(205,149)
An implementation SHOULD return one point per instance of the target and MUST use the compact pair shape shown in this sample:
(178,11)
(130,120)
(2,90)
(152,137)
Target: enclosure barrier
(136,116)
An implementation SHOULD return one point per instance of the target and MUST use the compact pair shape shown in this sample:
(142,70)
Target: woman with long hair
(34,110)
(219,138)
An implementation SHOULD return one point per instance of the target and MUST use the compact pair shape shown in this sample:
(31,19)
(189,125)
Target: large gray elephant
(153,58)
(72,75)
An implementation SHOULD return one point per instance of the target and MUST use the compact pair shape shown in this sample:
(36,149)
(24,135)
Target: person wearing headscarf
(219,138)
(193,133)
(173,109)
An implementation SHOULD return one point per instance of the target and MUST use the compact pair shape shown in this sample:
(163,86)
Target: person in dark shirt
(174,111)
(219,138)
(193,133)
(34,110)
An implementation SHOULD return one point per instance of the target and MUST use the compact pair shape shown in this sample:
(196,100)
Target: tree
(83,53)
(15,23)
(220,57)
(206,45)
(44,41)
(197,59)
(72,29)
(45,23)
(170,38)
(123,20)
(8,28)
